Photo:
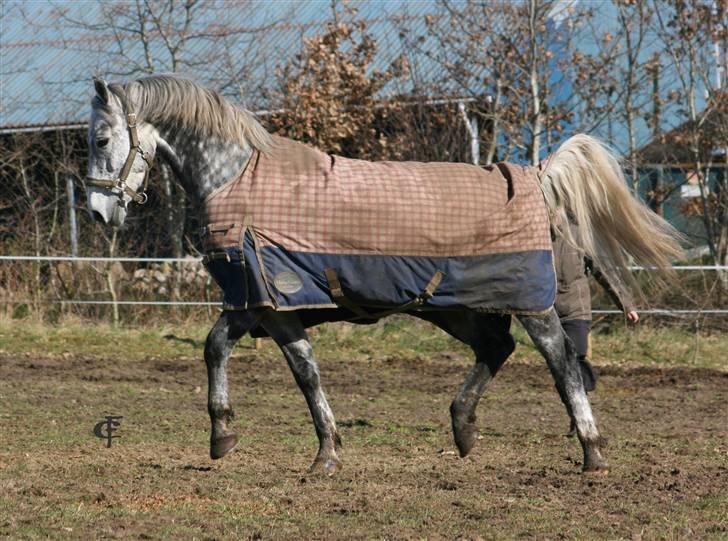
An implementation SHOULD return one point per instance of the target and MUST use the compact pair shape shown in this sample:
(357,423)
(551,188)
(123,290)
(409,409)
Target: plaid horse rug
(299,229)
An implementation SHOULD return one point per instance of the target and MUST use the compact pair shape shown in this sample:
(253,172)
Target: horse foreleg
(288,332)
(492,345)
(550,339)
(223,336)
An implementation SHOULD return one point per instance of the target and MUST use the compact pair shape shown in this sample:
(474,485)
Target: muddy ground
(667,430)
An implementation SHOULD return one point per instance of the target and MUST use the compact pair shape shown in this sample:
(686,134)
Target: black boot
(588,375)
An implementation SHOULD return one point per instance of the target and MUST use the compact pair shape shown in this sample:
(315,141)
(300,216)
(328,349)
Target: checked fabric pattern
(304,200)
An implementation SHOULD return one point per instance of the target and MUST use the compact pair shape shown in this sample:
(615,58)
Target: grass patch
(394,337)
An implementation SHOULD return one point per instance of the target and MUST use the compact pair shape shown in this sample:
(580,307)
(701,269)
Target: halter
(120,183)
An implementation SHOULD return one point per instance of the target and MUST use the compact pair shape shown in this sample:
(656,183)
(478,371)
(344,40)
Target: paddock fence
(122,288)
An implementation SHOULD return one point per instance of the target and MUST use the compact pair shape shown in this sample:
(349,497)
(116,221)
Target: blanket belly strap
(337,294)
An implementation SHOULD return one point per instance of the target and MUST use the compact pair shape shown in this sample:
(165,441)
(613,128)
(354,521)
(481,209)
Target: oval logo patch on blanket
(287,282)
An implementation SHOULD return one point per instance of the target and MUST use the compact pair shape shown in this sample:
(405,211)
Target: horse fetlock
(326,463)
(220,412)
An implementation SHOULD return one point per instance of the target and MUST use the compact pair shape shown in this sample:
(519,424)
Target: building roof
(675,146)
(51,49)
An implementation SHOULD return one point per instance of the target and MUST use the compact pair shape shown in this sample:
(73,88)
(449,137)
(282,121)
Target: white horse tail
(583,180)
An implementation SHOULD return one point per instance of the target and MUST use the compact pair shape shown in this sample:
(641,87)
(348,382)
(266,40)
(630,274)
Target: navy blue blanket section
(520,282)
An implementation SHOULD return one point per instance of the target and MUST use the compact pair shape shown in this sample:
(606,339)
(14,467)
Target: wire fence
(190,260)
(72,259)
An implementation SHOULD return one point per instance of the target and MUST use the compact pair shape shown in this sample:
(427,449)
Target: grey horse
(207,141)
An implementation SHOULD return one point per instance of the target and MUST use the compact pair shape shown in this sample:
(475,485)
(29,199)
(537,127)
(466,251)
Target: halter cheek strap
(120,183)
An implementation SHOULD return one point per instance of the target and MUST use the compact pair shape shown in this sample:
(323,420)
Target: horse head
(121,150)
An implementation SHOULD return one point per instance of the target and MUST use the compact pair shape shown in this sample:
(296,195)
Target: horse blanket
(299,229)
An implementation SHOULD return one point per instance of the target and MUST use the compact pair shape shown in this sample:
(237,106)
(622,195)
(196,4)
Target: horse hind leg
(492,344)
(223,336)
(489,337)
(550,339)
(288,332)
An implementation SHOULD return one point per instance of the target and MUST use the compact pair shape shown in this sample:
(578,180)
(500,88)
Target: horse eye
(101,143)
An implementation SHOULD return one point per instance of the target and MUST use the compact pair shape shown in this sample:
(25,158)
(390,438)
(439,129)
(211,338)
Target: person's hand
(633,316)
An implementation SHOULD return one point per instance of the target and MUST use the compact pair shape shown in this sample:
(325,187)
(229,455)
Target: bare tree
(634,19)
(515,52)
(691,31)
(151,36)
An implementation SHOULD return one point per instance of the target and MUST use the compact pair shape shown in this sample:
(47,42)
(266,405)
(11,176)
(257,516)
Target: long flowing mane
(182,102)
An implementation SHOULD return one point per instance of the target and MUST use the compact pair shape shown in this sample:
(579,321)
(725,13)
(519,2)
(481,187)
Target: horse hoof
(597,467)
(222,446)
(463,428)
(327,466)
(465,438)
(601,472)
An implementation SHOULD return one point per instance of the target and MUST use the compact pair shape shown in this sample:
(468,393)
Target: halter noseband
(120,183)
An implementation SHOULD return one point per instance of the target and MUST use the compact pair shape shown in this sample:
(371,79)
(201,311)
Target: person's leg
(578,332)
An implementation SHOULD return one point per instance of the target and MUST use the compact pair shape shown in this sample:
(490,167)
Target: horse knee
(299,355)
(223,336)
(214,349)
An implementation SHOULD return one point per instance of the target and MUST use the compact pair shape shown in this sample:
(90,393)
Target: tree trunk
(174,210)
(536,114)
(110,282)
(36,234)
(494,123)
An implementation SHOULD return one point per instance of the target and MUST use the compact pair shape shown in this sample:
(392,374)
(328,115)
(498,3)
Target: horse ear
(102,89)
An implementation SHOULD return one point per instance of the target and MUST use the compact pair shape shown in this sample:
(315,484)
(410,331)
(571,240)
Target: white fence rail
(199,259)
(101,259)
(655,311)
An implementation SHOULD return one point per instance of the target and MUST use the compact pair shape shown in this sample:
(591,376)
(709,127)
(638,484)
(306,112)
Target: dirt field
(667,431)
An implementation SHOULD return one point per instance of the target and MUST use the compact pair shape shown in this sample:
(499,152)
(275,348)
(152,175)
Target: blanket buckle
(212,256)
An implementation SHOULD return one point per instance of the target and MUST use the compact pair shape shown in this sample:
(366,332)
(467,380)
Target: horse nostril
(98,217)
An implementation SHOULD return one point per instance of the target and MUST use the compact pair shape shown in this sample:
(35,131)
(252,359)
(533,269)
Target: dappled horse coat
(302,230)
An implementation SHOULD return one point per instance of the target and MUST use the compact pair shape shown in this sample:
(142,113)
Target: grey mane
(177,101)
